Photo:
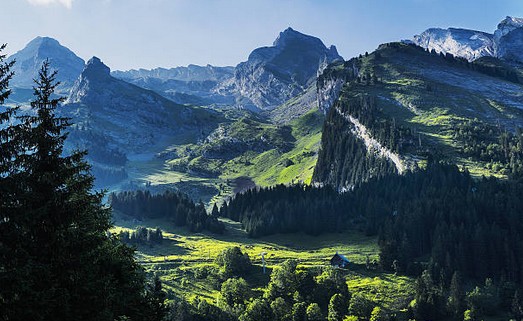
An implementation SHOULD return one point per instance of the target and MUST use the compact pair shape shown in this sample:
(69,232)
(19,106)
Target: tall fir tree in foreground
(58,261)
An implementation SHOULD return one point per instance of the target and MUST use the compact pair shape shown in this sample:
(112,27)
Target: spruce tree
(65,266)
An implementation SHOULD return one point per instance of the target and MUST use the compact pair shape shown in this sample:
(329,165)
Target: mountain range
(212,131)
(270,76)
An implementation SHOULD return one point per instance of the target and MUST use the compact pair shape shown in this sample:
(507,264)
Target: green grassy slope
(244,151)
(432,97)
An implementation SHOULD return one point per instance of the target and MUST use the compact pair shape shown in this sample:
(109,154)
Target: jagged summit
(41,43)
(96,68)
(512,22)
(271,75)
(290,34)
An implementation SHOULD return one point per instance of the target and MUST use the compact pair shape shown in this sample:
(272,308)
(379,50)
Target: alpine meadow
(292,185)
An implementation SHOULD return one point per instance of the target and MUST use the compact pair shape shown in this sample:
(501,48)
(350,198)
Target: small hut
(339,260)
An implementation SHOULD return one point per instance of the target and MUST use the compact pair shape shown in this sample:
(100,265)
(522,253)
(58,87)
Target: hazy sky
(167,33)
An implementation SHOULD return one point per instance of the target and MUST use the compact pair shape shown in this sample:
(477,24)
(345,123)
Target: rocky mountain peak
(30,59)
(272,75)
(511,22)
(506,42)
(506,26)
(95,68)
(41,45)
(290,35)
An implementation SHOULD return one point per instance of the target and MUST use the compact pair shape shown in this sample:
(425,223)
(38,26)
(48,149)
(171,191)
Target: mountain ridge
(504,43)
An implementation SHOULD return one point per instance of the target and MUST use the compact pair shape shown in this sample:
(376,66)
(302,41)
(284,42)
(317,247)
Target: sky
(131,34)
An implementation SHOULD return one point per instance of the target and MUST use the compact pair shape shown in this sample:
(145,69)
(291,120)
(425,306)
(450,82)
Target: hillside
(243,151)
(401,104)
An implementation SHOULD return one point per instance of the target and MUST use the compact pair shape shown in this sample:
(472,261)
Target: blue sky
(167,33)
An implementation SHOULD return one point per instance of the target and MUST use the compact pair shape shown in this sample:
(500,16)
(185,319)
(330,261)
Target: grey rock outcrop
(131,117)
(272,75)
(505,43)
(469,44)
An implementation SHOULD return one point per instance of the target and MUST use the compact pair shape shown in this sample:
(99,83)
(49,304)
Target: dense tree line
(105,176)
(463,225)
(176,207)
(502,150)
(57,259)
(286,209)
(142,235)
(343,159)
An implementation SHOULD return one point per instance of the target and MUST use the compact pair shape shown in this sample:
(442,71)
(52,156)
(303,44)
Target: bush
(233,262)
(235,291)
(360,306)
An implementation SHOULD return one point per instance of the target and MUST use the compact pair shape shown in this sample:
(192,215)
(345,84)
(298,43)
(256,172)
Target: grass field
(182,255)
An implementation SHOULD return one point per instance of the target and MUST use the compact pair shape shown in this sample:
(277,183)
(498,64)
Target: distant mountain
(505,43)
(273,75)
(29,60)
(193,84)
(189,73)
(269,77)
(509,39)
(116,120)
(464,43)
(135,118)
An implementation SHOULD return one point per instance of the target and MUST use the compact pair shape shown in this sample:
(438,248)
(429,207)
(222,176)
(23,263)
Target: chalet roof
(342,257)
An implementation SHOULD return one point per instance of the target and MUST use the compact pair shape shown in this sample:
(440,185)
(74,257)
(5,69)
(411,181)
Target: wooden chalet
(339,260)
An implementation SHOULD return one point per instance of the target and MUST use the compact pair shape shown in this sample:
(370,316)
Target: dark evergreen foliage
(286,209)
(142,235)
(174,206)
(461,224)
(57,260)
(344,160)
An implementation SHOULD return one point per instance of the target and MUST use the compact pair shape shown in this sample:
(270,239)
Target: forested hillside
(405,105)
(439,219)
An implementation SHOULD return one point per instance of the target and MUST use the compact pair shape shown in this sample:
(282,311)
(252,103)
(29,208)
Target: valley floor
(183,255)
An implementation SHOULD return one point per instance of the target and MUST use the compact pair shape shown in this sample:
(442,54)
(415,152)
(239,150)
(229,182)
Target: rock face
(269,77)
(464,43)
(505,43)
(272,75)
(133,118)
(30,59)
(509,39)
